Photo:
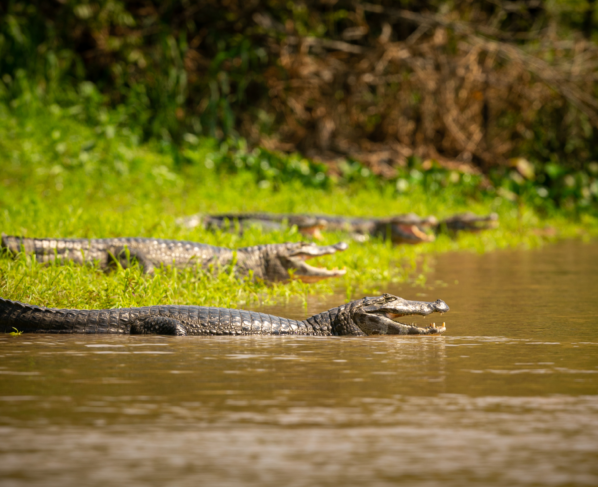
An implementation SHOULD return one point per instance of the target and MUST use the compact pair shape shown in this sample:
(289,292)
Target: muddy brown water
(508,396)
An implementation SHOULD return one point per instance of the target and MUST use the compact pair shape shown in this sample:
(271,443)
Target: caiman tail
(35,319)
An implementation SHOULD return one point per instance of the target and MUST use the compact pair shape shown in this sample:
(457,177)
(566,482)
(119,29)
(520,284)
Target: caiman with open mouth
(408,228)
(368,316)
(274,262)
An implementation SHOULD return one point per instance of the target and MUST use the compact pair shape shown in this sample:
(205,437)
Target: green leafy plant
(364,86)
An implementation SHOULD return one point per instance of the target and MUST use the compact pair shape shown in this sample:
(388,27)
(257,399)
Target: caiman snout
(309,250)
(379,316)
(288,260)
(440,306)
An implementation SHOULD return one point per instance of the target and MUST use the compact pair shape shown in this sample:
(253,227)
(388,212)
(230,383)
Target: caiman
(408,228)
(367,316)
(469,222)
(274,262)
(267,222)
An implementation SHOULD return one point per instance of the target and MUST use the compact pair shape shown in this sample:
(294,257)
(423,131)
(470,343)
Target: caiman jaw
(312,231)
(381,318)
(433,328)
(412,233)
(309,274)
(412,229)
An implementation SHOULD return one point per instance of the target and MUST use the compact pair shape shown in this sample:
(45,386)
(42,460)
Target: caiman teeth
(325,271)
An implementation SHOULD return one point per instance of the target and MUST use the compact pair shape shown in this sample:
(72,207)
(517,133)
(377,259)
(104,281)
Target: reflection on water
(507,397)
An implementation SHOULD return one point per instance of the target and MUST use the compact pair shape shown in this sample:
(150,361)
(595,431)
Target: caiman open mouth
(309,226)
(307,273)
(432,328)
(412,229)
(382,318)
(312,231)
(410,233)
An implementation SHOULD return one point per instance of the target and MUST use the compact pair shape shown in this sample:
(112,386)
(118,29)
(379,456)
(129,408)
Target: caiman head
(379,316)
(408,228)
(308,225)
(285,261)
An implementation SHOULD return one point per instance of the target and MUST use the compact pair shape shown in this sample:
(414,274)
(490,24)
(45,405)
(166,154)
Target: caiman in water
(274,262)
(367,316)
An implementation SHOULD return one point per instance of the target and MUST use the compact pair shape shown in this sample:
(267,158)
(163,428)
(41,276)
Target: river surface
(508,396)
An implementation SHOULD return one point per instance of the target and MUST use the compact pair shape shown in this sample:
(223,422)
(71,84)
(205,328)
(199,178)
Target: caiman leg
(124,256)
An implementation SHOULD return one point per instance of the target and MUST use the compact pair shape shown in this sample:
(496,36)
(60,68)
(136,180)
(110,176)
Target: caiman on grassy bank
(408,228)
(275,262)
(367,316)
(468,222)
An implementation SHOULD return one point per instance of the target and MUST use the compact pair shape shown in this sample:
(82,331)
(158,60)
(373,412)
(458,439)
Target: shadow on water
(507,397)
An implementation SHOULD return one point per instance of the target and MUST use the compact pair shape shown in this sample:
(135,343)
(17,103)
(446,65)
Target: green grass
(63,179)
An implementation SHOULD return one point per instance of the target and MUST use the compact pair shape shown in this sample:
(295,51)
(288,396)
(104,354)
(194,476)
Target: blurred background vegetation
(495,96)
(117,117)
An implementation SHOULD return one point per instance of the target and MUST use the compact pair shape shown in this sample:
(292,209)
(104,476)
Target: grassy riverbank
(64,179)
